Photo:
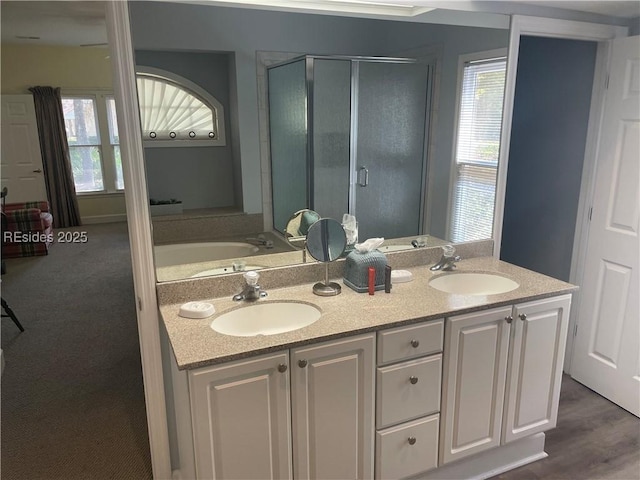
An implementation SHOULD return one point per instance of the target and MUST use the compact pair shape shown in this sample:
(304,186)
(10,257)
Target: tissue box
(356,270)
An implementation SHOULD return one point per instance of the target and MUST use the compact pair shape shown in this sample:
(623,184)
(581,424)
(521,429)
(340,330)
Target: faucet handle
(448,250)
(251,277)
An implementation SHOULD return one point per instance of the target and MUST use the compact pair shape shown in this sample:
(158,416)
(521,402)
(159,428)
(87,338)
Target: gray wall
(167,26)
(550,117)
(201,177)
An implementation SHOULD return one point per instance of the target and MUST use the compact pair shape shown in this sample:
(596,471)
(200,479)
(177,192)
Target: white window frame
(453,175)
(212,102)
(107,157)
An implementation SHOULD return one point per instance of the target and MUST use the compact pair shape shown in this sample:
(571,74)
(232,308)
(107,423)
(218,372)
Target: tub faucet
(260,240)
(252,290)
(448,260)
(419,242)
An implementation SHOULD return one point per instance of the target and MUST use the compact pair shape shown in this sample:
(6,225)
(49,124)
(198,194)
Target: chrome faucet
(260,240)
(419,242)
(448,260)
(252,290)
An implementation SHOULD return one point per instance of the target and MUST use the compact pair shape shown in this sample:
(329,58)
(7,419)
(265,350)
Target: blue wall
(201,177)
(550,119)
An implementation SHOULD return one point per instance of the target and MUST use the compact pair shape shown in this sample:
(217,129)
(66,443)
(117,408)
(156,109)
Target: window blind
(477,149)
(171,112)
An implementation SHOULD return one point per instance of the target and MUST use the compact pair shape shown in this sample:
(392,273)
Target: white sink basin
(395,248)
(473,283)
(266,318)
(222,270)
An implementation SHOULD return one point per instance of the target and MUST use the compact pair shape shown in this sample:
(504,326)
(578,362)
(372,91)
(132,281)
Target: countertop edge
(363,330)
(196,345)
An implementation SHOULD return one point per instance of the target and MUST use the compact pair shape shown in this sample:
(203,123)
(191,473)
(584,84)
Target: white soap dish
(401,276)
(196,310)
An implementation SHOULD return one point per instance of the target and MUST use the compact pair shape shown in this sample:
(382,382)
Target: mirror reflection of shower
(347,135)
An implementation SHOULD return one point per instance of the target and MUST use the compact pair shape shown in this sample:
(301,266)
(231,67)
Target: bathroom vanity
(416,383)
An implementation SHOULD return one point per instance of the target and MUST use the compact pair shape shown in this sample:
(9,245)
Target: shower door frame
(355,62)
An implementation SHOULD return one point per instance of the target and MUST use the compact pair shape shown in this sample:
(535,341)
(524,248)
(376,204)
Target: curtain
(58,176)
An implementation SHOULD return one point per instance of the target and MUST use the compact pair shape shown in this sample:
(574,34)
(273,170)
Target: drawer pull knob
(302,363)
(415,343)
(509,319)
(523,316)
(411,440)
(282,368)
(413,380)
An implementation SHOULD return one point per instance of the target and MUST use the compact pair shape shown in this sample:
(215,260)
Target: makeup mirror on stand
(298,227)
(326,242)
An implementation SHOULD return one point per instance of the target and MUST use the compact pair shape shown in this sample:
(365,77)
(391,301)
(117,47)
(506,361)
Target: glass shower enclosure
(347,135)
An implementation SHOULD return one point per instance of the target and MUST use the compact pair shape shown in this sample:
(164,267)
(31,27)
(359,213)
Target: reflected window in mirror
(175,111)
(477,144)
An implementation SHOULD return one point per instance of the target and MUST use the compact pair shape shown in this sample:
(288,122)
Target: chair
(9,314)
(5,306)
(27,228)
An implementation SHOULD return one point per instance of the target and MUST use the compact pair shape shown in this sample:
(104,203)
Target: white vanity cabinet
(332,387)
(408,381)
(240,414)
(502,370)
(401,402)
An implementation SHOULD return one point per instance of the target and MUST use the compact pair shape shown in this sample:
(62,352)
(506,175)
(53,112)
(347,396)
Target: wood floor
(594,439)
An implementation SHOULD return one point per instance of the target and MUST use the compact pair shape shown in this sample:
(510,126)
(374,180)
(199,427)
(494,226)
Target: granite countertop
(196,344)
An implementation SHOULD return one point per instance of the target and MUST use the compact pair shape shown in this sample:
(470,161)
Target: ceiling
(75,23)
(53,23)
(610,9)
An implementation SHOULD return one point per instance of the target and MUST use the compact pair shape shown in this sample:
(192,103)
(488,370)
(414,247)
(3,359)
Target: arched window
(176,112)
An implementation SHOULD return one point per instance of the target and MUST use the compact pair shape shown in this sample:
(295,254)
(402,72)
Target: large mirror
(335,96)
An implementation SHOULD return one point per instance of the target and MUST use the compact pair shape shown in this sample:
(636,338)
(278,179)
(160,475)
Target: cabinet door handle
(413,380)
(411,440)
(523,316)
(415,343)
(282,368)
(509,319)
(302,363)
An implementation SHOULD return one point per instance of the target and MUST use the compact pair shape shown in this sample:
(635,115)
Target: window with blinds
(477,148)
(171,111)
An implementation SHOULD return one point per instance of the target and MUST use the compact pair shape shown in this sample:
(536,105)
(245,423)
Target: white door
(535,366)
(241,419)
(332,391)
(22,171)
(606,356)
(474,374)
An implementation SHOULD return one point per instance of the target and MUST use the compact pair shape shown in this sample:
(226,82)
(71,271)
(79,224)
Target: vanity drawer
(407,449)
(408,390)
(403,343)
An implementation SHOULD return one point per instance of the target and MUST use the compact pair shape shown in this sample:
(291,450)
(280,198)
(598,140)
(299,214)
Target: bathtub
(183,253)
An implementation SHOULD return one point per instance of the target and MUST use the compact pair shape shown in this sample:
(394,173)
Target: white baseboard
(492,462)
(120,217)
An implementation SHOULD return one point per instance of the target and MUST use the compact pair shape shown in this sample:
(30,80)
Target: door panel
(331,136)
(606,347)
(475,365)
(22,170)
(288,140)
(535,373)
(391,101)
(241,419)
(332,389)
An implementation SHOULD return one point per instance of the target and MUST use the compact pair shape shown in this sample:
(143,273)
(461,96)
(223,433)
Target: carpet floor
(72,392)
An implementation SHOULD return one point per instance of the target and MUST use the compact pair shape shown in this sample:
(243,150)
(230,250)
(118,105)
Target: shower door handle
(361,182)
